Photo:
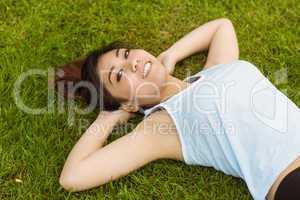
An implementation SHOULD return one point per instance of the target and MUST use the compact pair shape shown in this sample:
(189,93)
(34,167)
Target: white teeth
(147,67)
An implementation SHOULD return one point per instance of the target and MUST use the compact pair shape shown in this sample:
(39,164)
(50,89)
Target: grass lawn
(45,34)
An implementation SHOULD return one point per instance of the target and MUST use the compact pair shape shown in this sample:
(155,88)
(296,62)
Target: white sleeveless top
(234,119)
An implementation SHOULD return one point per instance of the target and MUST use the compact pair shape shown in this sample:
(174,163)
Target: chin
(158,74)
(152,85)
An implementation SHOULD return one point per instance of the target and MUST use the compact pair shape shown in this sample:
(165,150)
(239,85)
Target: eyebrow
(109,74)
(112,68)
(117,52)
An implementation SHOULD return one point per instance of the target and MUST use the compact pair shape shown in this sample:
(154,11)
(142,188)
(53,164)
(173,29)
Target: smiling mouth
(147,69)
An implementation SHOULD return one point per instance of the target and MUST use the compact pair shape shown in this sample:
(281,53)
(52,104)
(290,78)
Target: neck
(171,87)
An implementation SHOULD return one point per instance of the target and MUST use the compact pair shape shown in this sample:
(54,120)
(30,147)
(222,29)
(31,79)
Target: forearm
(197,40)
(92,139)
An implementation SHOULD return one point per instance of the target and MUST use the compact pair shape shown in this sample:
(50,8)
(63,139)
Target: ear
(130,107)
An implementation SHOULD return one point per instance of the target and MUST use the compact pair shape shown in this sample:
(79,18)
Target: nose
(134,64)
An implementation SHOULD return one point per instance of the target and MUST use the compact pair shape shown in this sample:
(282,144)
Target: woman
(217,117)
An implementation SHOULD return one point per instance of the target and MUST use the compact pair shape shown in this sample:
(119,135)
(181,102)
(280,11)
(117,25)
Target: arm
(218,36)
(90,165)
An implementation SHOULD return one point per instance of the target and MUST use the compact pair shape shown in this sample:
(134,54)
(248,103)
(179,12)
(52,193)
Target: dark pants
(289,188)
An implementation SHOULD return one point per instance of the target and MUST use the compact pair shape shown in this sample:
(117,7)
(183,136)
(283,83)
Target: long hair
(85,69)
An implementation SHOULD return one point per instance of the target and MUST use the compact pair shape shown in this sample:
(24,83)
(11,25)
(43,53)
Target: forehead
(107,59)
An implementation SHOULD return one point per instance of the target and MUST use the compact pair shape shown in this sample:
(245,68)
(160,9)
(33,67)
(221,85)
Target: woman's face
(132,74)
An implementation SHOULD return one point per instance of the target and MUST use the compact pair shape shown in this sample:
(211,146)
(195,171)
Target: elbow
(68,182)
(76,181)
(226,22)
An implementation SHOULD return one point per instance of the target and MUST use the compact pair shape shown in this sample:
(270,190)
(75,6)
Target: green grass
(42,34)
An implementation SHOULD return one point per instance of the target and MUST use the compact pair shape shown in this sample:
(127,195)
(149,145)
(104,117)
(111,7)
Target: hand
(166,59)
(117,116)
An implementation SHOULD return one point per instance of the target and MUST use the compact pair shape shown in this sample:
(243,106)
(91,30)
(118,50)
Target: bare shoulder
(160,127)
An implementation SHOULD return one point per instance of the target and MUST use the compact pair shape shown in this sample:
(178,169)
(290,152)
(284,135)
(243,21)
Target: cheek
(129,86)
(134,86)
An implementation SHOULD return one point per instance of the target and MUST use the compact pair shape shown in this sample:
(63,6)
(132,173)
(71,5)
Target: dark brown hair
(84,69)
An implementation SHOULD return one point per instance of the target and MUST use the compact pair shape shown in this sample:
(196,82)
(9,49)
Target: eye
(126,54)
(119,75)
